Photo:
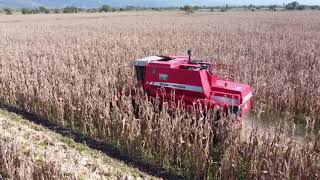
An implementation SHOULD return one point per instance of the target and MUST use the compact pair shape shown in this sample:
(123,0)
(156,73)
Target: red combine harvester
(192,81)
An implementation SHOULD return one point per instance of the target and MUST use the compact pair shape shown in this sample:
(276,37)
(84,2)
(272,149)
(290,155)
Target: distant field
(277,52)
(68,67)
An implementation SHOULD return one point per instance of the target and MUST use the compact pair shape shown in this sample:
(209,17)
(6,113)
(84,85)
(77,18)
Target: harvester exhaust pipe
(190,54)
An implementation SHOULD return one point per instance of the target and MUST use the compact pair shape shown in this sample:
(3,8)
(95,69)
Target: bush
(156,9)
(196,7)
(71,9)
(57,11)
(93,10)
(273,8)
(188,9)
(291,6)
(251,6)
(25,11)
(301,7)
(223,9)
(314,7)
(7,11)
(35,11)
(42,9)
(106,8)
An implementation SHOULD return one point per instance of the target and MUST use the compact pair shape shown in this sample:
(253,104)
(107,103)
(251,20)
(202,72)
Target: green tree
(42,9)
(130,8)
(35,11)
(196,7)
(188,9)
(70,9)
(273,8)
(7,11)
(223,9)
(106,8)
(314,7)
(291,6)
(251,6)
(301,7)
(25,11)
(93,10)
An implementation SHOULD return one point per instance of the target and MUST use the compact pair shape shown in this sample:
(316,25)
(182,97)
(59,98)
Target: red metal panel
(190,83)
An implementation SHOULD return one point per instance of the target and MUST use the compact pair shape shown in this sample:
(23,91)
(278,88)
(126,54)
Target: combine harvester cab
(192,81)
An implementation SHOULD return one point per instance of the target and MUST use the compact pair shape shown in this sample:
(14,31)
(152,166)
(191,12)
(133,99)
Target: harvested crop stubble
(69,69)
(29,151)
(15,165)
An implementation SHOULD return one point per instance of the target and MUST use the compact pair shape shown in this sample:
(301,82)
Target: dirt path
(264,130)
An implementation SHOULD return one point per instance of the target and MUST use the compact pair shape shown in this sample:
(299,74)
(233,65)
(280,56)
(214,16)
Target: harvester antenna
(190,54)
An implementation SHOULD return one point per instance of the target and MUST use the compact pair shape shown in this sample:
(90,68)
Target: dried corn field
(38,153)
(68,69)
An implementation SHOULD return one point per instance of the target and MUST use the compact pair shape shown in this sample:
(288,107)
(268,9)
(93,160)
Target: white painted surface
(226,100)
(245,99)
(145,61)
(178,86)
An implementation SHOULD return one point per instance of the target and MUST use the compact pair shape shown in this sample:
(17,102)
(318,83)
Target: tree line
(187,8)
(290,6)
(68,9)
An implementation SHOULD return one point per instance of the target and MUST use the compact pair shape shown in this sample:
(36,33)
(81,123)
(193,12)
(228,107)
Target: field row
(29,151)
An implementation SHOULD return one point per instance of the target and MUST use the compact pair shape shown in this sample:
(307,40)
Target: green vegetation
(273,8)
(40,162)
(223,9)
(71,9)
(301,7)
(188,9)
(106,8)
(4,175)
(56,11)
(293,5)
(7,11)
(38,10)
(43,9)
(93,10)
(80,177)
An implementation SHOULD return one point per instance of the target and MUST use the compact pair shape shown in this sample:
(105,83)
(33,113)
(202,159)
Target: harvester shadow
(107,149)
